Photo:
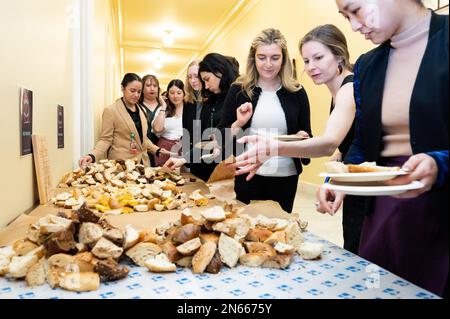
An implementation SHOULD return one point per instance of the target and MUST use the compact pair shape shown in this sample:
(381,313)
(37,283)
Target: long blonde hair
(249,80)
(190,94)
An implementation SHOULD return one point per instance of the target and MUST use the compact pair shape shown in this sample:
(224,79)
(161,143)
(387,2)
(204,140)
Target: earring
(340,68)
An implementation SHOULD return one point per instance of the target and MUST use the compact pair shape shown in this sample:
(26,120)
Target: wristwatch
(158,152)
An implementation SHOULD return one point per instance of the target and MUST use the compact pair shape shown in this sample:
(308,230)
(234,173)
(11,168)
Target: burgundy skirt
(173,146)
(405,236)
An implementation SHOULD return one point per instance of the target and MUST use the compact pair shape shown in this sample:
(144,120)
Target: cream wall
(294,19)
(37,52)
(106,75)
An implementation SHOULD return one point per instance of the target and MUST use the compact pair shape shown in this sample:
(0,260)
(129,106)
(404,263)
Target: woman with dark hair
(402,103)
(168,123)
(217,73)
(124,128)
(149,103)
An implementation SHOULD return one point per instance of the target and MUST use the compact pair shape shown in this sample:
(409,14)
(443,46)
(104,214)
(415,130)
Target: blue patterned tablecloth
(338,275)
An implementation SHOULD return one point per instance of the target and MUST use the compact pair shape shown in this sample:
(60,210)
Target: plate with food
(377,190)
(365,172)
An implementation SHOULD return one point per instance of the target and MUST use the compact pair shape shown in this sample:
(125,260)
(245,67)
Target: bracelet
(158,152)
(160,110)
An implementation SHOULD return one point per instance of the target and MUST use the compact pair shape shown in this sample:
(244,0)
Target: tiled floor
(325,226)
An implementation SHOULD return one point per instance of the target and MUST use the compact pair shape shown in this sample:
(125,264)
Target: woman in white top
(267,100)
(168,122)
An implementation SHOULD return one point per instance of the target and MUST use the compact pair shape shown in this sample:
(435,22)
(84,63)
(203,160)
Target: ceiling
(193,24)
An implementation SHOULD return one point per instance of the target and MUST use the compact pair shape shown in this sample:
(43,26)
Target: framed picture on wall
(60,125)
(26,121)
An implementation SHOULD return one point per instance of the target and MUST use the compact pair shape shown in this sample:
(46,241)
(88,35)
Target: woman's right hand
(328,201)
(162,101)
(174,163)
(244,113)
(85,161)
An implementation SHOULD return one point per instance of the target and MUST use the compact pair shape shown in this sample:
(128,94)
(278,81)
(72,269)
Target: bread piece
(52,224)
(147,236)
(34,235)
(257,247)
(212,237)
(171,251)
(23,246)
(253,259)
(158,265)
(39,252)
(294,235)
(185,233)
(367,167)
(276,237)
(284,248)
(60,242)
(85,215)
(19,265)
(233,227)
(199,199)
(214,214)
(143,251)
(114,234)
(278,261)
(185,262)
(258,234)
(203,257)
(336,167)
(215,264)
(229,249)
(189,247)
(36,274)
(104,248)
(6,254)
(89,233)
(110,270)
(81,247)
(60,261)
(131,237)
(87,281)
(53,276)
(310,251)
(84,262)
(281,224)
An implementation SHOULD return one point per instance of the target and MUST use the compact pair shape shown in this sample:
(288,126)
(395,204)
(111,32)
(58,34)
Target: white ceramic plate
(374,190)
(289,138)
(363,177)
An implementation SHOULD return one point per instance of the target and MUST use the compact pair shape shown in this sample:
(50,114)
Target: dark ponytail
(130,77)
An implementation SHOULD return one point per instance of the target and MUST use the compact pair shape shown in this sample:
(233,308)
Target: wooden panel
(42,166)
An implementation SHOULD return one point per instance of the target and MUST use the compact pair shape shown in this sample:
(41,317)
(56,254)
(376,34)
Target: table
(338,275)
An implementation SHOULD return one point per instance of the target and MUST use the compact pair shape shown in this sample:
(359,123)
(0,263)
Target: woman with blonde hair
(327,62)
(268,101)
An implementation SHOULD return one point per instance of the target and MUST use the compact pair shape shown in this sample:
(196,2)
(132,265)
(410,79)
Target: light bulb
(157,64)
(168,38)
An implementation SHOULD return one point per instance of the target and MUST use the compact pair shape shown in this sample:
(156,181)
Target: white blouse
(269,120)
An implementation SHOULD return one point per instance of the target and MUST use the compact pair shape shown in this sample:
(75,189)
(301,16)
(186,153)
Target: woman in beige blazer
(124,128)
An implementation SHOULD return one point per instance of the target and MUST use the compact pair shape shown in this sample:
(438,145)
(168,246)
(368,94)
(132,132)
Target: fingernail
(406,168)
